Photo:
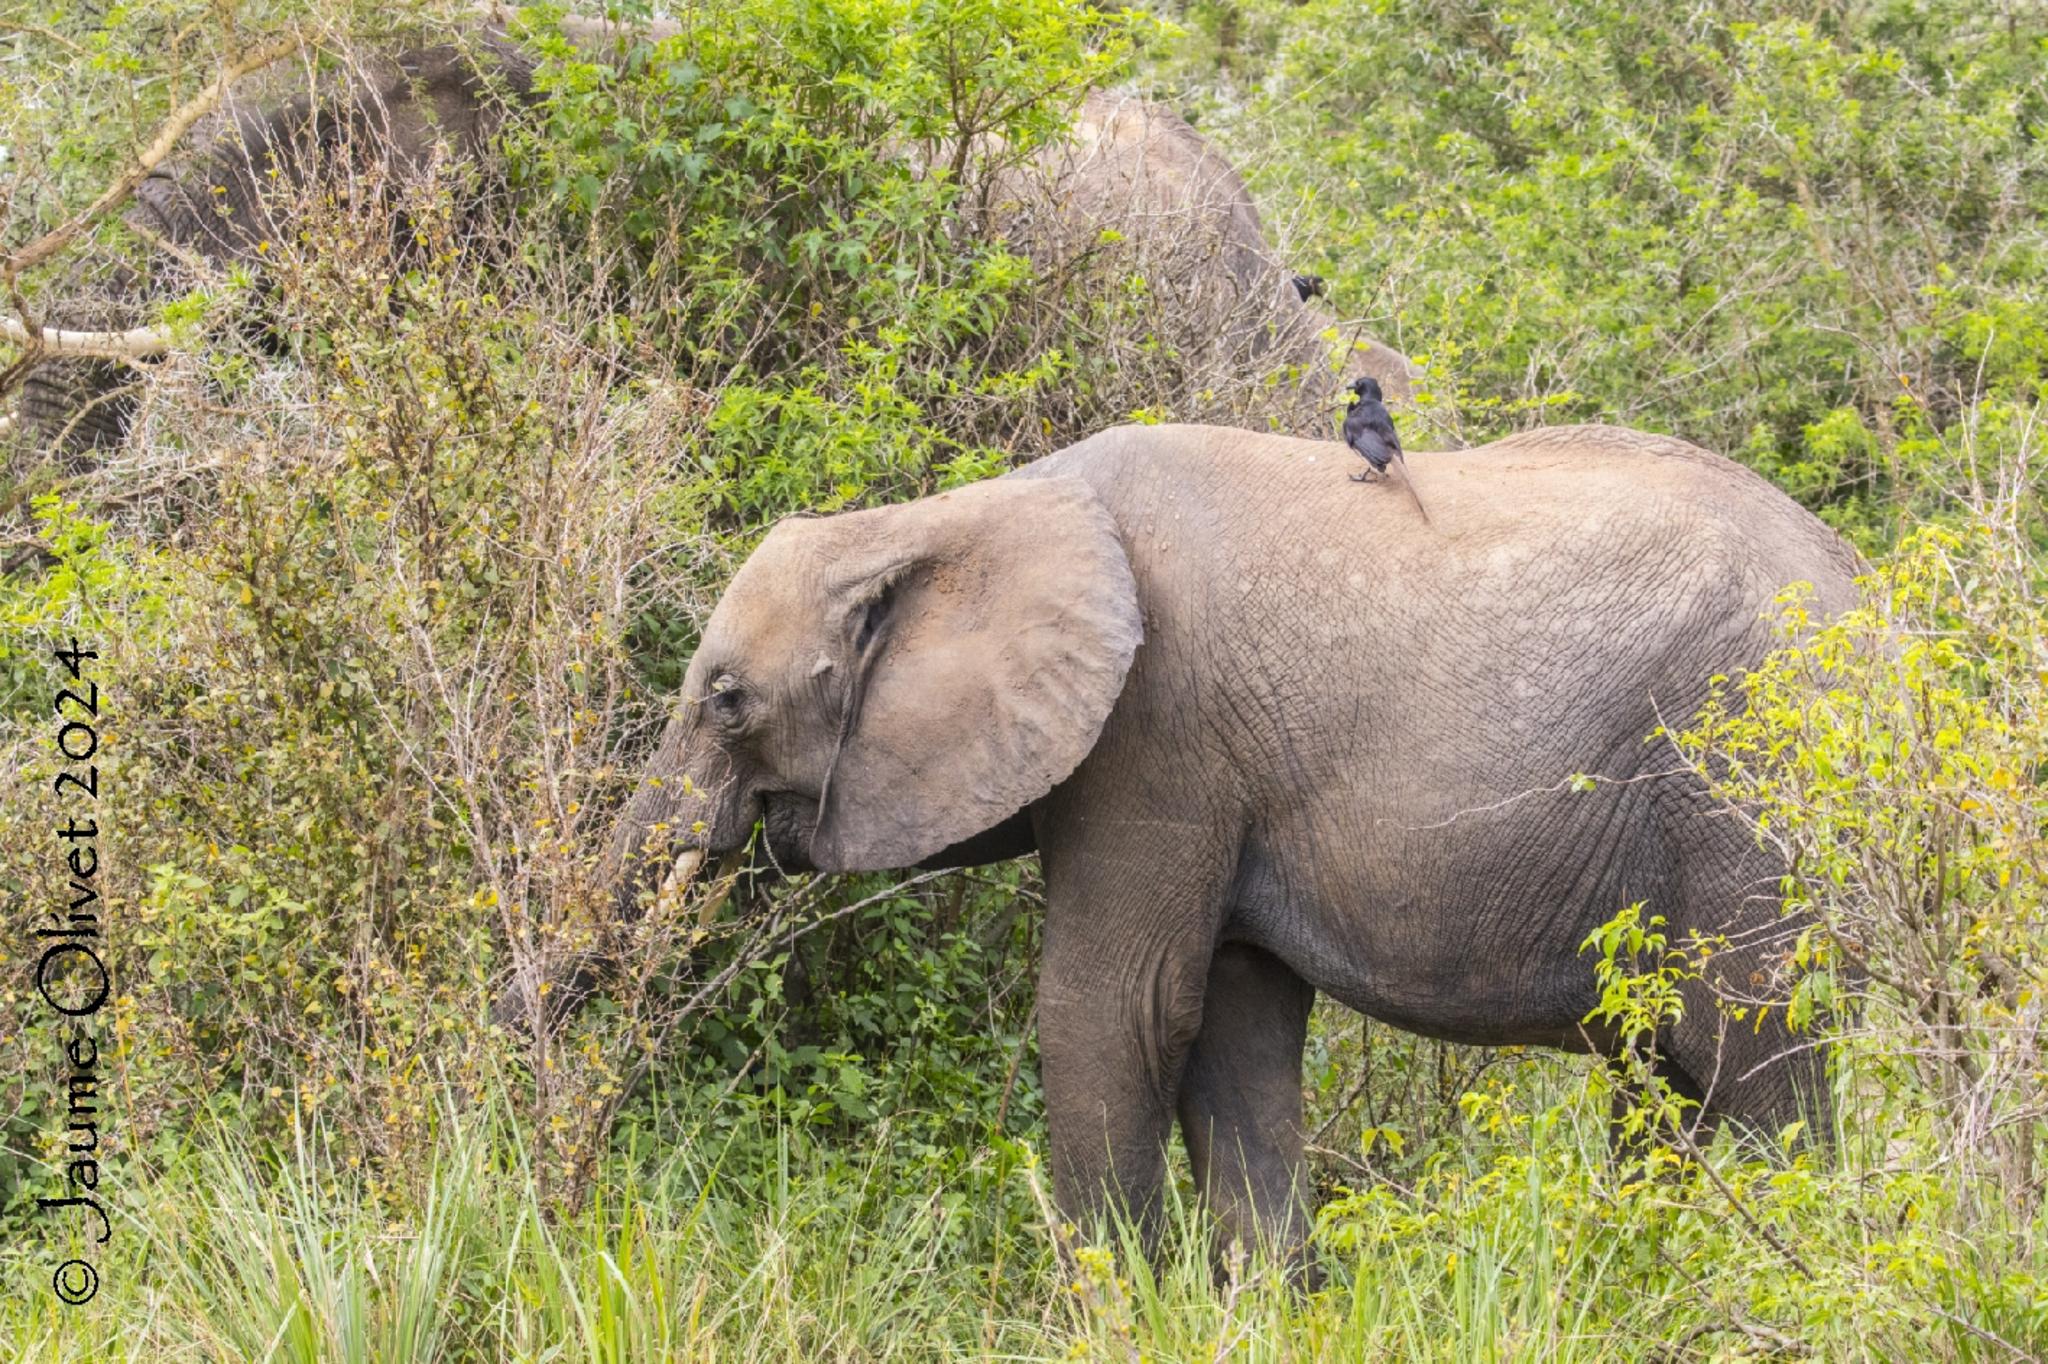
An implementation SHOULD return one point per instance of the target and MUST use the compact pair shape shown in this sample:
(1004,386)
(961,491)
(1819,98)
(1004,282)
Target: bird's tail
(1409,483)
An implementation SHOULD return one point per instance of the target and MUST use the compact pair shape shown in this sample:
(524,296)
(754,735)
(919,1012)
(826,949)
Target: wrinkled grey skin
(1129,166)
(1271,734)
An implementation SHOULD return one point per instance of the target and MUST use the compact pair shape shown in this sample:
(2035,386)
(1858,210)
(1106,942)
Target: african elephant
(1129,170)
(1142,170)
(1271,734)
(213,208)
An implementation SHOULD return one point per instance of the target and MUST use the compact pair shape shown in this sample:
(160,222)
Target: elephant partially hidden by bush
(1130,172)
(1271,733)
(216,208)
(1141,169)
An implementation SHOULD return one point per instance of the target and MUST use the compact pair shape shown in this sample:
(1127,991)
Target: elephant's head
(877,687)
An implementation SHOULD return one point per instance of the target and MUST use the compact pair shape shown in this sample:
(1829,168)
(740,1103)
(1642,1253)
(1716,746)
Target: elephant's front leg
(1127,947)
(1240,1097)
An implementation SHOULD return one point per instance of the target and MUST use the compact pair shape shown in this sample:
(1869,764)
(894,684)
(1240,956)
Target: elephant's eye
(725,701)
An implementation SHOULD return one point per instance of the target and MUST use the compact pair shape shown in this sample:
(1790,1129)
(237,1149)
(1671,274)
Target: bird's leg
(1366,476)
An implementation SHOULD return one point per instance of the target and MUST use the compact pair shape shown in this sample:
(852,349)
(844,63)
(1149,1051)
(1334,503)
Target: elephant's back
(1391,707)
(1560,491)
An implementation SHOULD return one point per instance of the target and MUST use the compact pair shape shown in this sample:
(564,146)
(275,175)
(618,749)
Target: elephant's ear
(987,634)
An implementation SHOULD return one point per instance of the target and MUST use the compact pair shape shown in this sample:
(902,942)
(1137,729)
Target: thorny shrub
(1895,756)
(395,570)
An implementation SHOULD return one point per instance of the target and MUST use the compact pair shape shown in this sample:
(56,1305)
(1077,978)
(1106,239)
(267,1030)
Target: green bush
(388,621)
(1753,230)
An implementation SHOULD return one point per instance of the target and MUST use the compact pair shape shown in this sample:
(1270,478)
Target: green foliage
(788,138)
(902,1029)
(1521,1239)
(1895,755)
(1640,976)
(791,188)
(389,622)
(704,1252)
(1747,228)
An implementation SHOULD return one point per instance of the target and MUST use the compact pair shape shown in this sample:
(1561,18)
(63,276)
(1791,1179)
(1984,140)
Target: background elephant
(1130,171)
(1271,734)
(212,209)
(1142,170)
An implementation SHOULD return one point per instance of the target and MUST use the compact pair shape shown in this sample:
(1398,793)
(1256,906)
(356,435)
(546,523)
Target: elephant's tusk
(680,876)
(715,898)
(685,871)
(136,343)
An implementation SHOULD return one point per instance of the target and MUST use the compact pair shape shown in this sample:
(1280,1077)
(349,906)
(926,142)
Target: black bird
(1369,429)
(1309,286)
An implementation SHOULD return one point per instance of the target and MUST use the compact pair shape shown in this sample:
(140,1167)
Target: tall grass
(233,1255)
(1527,1241)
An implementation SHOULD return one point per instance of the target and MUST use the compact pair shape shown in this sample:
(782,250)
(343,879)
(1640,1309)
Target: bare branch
(161,146)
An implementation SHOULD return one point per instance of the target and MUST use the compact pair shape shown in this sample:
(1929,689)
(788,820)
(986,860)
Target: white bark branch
(135,343)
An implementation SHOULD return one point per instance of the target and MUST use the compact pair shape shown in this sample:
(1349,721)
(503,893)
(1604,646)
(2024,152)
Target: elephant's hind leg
(1240,1096)
(1743,1064)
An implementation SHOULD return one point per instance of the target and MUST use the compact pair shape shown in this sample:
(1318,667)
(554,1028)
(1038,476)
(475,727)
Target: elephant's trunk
(662,840)
(655,855)
(629,868)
